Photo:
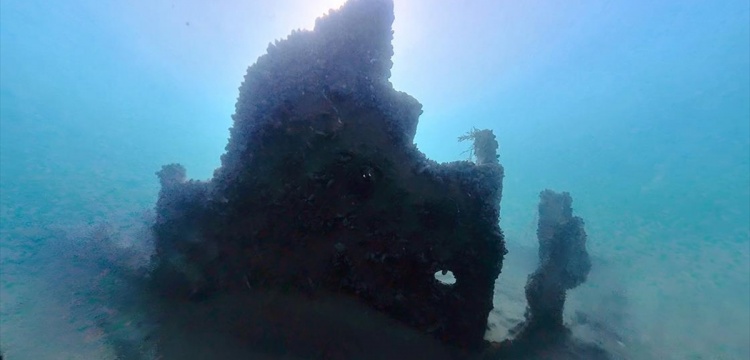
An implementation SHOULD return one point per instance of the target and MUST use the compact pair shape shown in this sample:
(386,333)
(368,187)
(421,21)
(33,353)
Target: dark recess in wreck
(321,190)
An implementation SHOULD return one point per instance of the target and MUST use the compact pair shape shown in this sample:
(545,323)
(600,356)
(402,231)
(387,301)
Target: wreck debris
(322,191)
(563,261)
(564,264)
(484,146)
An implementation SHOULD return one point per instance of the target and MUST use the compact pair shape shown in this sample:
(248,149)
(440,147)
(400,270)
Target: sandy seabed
(45,313)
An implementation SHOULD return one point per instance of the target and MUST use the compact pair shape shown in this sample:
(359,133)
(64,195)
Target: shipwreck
(323,205)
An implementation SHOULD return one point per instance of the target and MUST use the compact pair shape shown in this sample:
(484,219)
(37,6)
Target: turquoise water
(641,111)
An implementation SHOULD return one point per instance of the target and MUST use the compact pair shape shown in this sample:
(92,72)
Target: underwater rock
(322,192)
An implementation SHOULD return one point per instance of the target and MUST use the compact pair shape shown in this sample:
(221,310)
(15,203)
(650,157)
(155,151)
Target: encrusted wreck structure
(321,190)
(564,264)
(321,195)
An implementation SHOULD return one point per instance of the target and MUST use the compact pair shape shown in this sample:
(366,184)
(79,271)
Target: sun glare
(308,10)
(320,7)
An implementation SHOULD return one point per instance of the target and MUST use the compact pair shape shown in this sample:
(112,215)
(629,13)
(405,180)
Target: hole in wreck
(445,277)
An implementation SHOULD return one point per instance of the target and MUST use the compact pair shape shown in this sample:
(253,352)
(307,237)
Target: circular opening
(445,277)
